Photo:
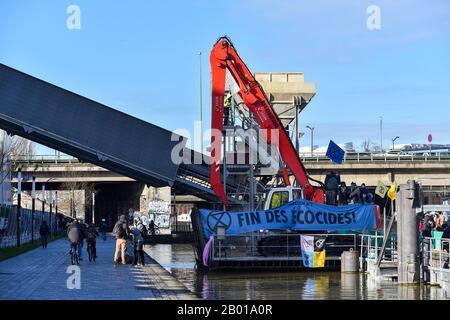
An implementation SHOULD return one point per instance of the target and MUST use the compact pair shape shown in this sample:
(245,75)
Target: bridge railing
(44,159)
(320,158)
(373,157)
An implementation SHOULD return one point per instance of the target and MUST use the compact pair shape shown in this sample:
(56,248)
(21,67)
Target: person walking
(138,243)
(121,232)
(44,231)
(103,228)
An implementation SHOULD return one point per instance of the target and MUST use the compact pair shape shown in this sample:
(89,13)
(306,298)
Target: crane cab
(281,195)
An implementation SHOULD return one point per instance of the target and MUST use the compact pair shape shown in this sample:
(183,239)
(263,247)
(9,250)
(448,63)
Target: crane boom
(224,56)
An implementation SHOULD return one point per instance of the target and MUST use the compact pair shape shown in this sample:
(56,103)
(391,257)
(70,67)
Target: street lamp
(393,141)
(201,101)
(312,139)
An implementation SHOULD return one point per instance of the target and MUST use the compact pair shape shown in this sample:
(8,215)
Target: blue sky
(141,57)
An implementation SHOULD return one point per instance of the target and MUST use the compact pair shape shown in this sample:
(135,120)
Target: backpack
(118,231)
(90,234)
(74,235)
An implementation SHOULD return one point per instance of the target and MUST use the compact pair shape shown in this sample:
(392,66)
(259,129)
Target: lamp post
(381,133)
(50,199)
(33,207)
(312,139)
(56,211)
(201,102)
(19,191)
(393,142)
(43,200)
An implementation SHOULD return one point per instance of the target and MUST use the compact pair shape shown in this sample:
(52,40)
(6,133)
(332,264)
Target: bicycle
(90,250)
(74,258)
(154,231)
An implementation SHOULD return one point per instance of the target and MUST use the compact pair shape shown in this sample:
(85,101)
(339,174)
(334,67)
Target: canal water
(179,260)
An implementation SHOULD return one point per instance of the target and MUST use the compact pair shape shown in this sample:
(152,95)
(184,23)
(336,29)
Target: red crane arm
(224,56)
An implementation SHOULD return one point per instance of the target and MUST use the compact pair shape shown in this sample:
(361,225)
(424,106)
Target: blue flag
(335,153)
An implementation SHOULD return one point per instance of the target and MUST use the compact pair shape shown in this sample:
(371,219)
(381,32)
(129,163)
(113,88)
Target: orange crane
(224,57)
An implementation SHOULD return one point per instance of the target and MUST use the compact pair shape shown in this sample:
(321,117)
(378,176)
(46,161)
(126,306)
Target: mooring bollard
(349,261)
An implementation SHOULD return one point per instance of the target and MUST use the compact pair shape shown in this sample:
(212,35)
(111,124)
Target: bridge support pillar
(408,234)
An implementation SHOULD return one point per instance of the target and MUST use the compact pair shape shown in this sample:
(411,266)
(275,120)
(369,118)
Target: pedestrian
(121,232)
(138,243)
(44,232)
(446,244)
(103,228)
(83,229)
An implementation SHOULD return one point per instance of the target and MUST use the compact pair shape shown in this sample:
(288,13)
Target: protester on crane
(226,109)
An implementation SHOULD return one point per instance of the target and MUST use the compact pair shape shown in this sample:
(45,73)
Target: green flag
(381,189)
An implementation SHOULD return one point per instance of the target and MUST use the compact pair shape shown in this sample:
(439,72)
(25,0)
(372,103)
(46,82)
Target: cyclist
(74,234)
(91,234)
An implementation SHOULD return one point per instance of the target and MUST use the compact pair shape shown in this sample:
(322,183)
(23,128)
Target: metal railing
(371,245)
(367,157)
(44,159)
(307,158)
(435,253)
(272,246)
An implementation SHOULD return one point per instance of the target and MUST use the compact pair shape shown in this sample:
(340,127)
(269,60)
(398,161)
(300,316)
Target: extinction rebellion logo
(219,220)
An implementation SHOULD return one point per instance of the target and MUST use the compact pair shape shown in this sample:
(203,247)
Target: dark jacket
(343,195)
(426,229)
(44,230)
(103,227)
(93,231)
(446,233)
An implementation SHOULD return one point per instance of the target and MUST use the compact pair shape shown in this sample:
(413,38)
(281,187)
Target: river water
(179,260)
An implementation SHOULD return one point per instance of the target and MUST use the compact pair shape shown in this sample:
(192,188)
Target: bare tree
(73,198)
(12,147)
(369,146)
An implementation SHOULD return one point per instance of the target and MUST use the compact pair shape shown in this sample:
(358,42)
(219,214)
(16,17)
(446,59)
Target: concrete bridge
(432,171)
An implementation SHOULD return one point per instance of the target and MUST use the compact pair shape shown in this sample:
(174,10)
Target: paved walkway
(41,274)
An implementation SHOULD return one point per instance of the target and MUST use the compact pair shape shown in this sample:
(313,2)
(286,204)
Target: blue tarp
(295,215)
